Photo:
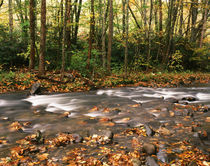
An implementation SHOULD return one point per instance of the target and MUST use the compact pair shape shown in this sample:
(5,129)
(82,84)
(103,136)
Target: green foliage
(176,62)
(201,58)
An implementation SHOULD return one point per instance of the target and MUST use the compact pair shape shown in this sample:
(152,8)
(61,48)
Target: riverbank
(74,82)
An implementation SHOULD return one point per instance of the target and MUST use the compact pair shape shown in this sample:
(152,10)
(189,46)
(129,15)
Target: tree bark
(104,34)
(109,54)
(91,33)
(77,21)
(1,3)
(194,19)
(160,16)
(32,33)
(134,17)
(64,40)
(123,19)
(181,18)
(42,38)
(205,13)
(126,38)
(149,36)
(10,18)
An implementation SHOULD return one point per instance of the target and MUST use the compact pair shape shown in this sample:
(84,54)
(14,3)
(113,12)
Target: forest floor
(75,82)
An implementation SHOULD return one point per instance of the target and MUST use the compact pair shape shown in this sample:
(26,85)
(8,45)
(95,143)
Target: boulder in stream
(35,89)
(150,161)
(149,148)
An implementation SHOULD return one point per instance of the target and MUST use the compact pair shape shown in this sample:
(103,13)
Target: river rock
(154,125)
(165,157)
(164,131)
(149,131)
(35,89)
(77,138)
(189,98)
(104,136)
(172,100)
(136,162)
(150,161)
(149,148)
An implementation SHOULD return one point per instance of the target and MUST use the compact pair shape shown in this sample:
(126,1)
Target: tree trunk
(91,33)
(32,33)
(134,17)
(64,40)
(205,13)
(104,34)
(42,38)
(1,2)
(181,18)
(149,36)
(160,17)
(126,38)
(77,21)
(156,16)
(123,19)
(194,19)
(110,36)
(10,19)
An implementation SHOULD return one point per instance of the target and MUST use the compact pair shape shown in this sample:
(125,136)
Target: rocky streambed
(122,126)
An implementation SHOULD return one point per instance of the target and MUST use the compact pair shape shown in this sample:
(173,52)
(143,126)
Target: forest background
(96,38)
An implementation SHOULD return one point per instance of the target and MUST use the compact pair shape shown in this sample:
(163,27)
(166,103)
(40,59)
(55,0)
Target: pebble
(150,161)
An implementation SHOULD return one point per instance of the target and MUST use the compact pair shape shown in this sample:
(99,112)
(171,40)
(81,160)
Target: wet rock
(136,162)
(102,136)
(154,125)
(178,113)
(149,131)
(164,131)
(203,109)
(35,89)
(189,98)
(165,157)
(149,148)
(77,138)
(150,161)
(4,118)
(172,100)
(135,124)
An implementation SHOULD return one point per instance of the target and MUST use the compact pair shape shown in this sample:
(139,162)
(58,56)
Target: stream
(126,107)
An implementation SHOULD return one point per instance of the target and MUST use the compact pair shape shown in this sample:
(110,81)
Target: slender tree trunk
(181,18)
(123,19)
(205,13)
(32,33)
(194,19)
(10,19)
(61,25)
(42,38)
(64,40)
(77,21)
(156,16)
(68,31)
(134,17)
(104,35)
(126,38)
(1,2)
(149,36)
(160,16)
(188,22)
(91,33)
(109,54)
(168,32)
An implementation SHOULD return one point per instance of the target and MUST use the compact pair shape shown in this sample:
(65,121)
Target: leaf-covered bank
(73,81)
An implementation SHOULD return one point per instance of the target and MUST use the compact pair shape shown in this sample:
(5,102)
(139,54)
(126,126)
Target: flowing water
(45,112)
